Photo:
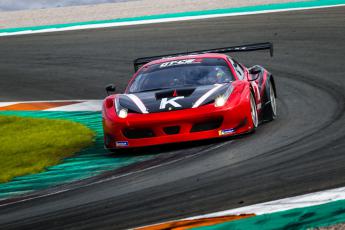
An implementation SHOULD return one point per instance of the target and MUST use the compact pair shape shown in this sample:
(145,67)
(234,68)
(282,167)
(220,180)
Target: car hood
(171,99)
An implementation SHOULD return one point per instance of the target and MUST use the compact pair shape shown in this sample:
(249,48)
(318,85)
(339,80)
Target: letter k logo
(171,101)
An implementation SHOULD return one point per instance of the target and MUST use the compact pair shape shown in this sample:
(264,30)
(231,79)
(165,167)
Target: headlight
(120,111)
(220,101)
(123,113)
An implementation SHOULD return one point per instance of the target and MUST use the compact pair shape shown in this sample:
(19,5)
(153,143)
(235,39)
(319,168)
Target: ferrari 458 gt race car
(189,96)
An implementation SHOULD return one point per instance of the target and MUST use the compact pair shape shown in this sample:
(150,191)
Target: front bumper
(205,122)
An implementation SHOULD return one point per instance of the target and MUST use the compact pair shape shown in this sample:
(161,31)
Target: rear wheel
(271,112)
(253,112)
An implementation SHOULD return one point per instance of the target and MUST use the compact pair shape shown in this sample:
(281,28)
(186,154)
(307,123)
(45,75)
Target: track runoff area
(279,213)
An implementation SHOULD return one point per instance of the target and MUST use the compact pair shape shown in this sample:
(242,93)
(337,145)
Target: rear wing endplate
(243,48)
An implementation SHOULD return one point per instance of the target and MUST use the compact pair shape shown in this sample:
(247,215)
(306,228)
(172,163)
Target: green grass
(29,145)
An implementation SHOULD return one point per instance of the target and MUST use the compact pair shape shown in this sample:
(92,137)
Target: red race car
(189,96)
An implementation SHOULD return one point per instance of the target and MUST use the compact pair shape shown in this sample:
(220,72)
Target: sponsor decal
(225,132)
(121,143)
(171,101)
(180,62)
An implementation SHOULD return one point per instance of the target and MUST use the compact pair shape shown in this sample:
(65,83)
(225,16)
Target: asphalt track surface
(301,152)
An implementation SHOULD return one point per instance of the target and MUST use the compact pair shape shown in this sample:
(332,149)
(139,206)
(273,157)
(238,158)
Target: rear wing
(243,48)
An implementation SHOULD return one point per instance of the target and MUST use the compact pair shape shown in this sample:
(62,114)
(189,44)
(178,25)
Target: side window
(238,68)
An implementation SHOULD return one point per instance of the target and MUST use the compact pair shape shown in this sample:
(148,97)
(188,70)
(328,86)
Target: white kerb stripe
(3,104)
(206,95)
(138,102)
(94,105)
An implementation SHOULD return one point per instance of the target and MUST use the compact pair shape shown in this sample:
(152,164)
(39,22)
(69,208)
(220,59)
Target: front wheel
(253,112)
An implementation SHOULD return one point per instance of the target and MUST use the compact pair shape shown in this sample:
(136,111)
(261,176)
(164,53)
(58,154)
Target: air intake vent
(138,133)
(172,130)
(174,93)
(207,125)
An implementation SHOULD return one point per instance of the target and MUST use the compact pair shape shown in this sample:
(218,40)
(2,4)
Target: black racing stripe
(127,103)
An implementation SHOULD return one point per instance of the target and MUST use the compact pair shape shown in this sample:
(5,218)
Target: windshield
(182,73)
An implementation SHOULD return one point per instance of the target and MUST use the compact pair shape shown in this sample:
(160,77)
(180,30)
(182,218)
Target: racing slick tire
(271,108)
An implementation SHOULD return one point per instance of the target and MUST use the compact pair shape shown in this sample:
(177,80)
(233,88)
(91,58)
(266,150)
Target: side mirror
(255,70)
(110,88)
(254,73)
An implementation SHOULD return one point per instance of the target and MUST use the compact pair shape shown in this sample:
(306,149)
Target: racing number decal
(171,101)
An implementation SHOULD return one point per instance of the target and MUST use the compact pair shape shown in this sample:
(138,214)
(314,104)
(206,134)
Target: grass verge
(29,145)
